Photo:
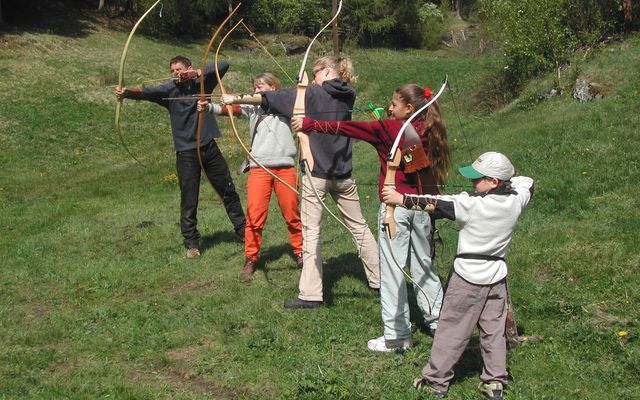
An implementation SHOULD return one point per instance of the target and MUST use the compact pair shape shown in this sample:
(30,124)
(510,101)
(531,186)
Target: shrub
(540,35)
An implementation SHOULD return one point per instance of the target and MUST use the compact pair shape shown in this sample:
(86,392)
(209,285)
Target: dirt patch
(600,318)
(193,285)
(181,375)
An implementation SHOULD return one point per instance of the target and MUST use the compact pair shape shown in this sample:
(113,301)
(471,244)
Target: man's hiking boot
(299,303)
(193,252)
(389,346)
(424,386)
(491,390)
(249,267)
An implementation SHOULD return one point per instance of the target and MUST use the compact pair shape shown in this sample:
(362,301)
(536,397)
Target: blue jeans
(217,170)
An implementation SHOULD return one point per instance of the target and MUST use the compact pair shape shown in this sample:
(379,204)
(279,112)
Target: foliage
(540,35)
(304,17)
(384,23)
(431,18)
(186,19)
(535,40)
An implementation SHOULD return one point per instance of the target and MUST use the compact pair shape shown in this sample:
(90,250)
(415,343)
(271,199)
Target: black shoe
(299,303)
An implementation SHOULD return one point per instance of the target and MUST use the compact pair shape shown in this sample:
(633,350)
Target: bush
(304,17)
(534,37)
(432,21)
(540,35)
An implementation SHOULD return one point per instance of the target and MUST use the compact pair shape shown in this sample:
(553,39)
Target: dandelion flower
(170,177)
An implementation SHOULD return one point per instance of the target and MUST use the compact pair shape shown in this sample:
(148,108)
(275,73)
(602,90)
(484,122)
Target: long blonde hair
(438,153)
(342,65)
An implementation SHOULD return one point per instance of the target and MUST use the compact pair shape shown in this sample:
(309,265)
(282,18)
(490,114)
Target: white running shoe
(384,346)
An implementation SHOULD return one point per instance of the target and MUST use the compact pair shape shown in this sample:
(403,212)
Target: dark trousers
(217,170)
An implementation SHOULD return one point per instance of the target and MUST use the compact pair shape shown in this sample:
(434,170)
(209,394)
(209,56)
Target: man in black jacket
(184,124)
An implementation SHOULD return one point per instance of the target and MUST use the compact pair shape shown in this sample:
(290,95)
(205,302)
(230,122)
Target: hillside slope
(98,300)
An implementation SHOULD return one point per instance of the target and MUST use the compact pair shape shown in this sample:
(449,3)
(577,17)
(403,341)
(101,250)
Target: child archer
(477,292)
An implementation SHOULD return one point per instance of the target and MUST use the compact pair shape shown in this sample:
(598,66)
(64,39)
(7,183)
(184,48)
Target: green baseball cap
(491,164)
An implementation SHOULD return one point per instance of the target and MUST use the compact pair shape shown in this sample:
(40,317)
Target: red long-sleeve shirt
(380,138)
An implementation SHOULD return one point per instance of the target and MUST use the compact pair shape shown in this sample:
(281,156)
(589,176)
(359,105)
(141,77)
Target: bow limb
(231,118)
(253,35)
(394,158)
(306,157)
(306,53)
(203,95)
(393,164)
(123,58)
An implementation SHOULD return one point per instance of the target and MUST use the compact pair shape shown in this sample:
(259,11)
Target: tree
(456,8)
(628,12)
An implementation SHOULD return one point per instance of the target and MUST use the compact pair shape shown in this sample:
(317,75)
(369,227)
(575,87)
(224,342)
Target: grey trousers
(410,246)
(466,306)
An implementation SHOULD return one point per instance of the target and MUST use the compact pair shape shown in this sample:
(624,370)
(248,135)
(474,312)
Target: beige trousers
(345,193)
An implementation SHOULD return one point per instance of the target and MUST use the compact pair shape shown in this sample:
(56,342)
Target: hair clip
(427,92)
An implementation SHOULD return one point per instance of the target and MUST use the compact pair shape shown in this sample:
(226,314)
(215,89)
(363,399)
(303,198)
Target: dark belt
(471,256)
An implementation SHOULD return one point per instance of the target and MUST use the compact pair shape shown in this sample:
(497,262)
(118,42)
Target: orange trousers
(259,187)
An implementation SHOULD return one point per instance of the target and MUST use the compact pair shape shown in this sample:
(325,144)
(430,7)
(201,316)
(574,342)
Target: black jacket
(333,101)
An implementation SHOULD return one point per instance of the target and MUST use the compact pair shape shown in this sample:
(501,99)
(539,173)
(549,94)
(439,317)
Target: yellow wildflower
(171,178)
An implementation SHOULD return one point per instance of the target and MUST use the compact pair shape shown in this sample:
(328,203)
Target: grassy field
(98,301)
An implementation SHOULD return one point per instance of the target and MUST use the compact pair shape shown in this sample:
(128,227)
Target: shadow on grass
(70,20)
(335,268)
(270,253)
(208,241)
(470,363)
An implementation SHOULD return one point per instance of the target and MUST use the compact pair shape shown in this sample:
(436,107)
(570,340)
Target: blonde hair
(342,65)
(266,78)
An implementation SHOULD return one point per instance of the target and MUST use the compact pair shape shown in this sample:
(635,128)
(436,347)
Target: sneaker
(193,252)
(387,346)
(491,390)
(424,386)
(299,303)
(249,267)
(299,259)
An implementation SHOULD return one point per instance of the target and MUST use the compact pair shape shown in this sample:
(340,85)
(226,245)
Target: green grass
(98,300)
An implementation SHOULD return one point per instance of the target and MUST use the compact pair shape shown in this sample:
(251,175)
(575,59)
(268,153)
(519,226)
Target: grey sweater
(273,143)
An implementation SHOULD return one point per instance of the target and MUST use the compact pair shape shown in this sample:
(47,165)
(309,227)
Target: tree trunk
(334,28)
(100,6)
(456,8)
(628,14)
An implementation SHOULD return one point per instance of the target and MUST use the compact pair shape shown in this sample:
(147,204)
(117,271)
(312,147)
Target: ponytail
(342,65)
(438,152)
